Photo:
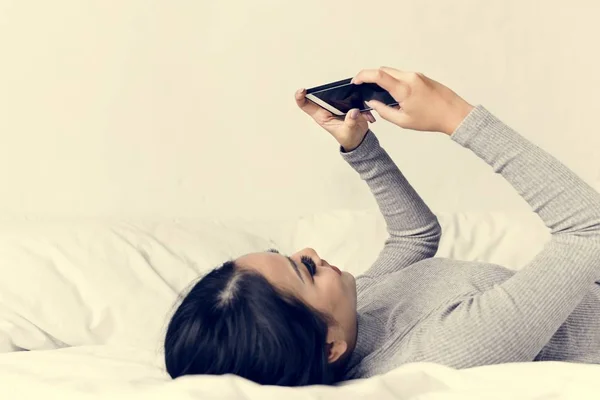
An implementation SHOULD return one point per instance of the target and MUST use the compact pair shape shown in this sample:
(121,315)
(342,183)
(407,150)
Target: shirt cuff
(368,144)
(474,122)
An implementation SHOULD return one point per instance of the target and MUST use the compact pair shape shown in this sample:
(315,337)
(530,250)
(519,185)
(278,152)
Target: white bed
(91,299)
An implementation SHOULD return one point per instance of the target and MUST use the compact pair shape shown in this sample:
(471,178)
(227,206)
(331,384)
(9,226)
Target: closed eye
(309,264)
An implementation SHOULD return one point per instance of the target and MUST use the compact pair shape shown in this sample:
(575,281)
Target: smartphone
(340,97)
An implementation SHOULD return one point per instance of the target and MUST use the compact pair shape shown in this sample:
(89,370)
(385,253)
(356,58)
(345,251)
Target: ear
(336,349)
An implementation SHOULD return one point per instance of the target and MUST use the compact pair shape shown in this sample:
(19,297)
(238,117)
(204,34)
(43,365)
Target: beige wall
(185,108)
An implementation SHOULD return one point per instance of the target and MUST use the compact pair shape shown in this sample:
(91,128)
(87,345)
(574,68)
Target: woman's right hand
(425,105)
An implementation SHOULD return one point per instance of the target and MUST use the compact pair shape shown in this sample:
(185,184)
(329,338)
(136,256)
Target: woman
(297,320)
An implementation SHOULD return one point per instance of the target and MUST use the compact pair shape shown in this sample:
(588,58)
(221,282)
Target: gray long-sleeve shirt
(415,307)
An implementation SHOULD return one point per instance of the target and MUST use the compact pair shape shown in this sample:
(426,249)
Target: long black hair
(233,321)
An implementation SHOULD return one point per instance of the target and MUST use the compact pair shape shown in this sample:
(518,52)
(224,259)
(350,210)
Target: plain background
(183,108)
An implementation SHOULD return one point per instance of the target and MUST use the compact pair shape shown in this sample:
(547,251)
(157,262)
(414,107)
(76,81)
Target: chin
(347,276)
(349,279)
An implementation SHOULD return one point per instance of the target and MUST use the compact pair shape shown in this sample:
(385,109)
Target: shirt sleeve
(514,320)
(414,231)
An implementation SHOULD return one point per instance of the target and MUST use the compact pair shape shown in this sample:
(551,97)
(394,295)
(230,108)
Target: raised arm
(563,201)
(513,321)
(414,231)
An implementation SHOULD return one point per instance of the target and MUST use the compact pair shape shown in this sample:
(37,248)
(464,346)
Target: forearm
(564,202)
(514,320)
(413,228)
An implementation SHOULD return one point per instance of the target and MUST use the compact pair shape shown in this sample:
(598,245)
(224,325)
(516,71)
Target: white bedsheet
(106,288)
(109,372)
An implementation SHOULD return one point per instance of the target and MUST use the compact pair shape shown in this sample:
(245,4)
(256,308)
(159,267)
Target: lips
(336,269)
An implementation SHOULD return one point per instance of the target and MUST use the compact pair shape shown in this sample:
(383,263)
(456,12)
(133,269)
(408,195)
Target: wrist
(458,113)
(352,145)
(364,150)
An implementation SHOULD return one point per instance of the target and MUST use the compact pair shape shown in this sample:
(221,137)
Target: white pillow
(85,283)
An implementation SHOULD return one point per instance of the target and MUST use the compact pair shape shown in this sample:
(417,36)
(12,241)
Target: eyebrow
(292,263)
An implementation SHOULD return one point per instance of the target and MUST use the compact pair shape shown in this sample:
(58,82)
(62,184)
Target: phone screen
(345,96)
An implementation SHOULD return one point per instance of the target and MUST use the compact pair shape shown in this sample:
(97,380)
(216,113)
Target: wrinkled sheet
(91,300)
(109,372)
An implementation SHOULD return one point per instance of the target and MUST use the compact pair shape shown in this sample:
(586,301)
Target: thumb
(352,117)
(388,113)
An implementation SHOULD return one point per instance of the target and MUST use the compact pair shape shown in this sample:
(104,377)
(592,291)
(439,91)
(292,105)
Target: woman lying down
(297,320)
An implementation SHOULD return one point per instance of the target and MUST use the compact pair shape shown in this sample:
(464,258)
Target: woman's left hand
(349,132)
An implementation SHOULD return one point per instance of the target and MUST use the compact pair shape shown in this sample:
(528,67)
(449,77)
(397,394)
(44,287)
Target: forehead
(275,267)
(263,258)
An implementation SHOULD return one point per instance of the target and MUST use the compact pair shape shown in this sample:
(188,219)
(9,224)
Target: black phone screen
(347,96)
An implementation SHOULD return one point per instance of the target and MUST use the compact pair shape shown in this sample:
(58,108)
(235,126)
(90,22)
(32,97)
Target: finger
(398,88)
(307,106)
(378,76)
(396,73)
(369,116)
(388,113)
(352,117)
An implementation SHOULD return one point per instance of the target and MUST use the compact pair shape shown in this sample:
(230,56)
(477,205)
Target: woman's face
(318,284)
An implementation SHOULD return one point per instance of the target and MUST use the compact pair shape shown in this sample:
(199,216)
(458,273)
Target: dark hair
(233,321)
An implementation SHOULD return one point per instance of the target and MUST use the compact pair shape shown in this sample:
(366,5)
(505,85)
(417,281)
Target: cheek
(333,293)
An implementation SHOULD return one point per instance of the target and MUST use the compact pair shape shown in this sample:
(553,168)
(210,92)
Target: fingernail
(299,91)
(354,114)
(369,103)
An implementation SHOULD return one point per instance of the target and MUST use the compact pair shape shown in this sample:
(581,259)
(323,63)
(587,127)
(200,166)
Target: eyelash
(310,264)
